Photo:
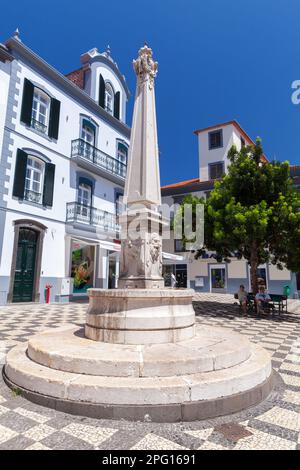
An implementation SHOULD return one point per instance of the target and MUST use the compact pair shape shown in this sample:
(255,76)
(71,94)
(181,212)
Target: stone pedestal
(141,253)
(140,316)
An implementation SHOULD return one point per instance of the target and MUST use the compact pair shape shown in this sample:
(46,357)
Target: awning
(93,241)
(173,257)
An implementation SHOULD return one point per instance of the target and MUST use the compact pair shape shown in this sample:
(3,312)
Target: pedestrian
(173,280)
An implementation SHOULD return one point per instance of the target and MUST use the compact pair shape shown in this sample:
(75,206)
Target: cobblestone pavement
(274,424)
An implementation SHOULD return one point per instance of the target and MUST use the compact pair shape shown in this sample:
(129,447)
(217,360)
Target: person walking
(173,281)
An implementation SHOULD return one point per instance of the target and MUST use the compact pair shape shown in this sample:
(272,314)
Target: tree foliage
(252,213)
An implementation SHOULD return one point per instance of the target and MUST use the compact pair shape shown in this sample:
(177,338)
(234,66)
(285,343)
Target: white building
(207,275)
(63,149)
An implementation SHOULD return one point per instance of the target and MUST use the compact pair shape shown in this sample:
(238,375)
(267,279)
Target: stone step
(189,388)
(67,349)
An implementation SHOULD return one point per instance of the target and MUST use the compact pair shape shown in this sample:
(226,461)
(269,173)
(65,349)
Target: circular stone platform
(215,373)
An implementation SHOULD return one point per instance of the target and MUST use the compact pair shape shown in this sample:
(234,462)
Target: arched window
(34,179)
(109,98)
(40,110)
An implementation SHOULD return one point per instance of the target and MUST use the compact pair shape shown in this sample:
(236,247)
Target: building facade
(205,274)
(63,150)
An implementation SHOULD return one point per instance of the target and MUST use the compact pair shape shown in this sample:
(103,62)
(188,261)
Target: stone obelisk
(141,253)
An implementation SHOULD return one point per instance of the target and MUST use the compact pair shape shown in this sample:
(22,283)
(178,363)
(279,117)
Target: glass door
(88,138)
(218,281)
(84,203)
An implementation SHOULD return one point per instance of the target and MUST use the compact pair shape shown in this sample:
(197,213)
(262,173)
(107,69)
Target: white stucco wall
(231,136)
(55,259)
(4,86)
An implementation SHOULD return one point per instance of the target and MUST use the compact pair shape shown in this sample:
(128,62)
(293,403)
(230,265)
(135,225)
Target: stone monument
(141,353)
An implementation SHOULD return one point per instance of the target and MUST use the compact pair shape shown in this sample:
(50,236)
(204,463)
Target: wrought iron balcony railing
(77,212)
(83,149)
(39,126)
(32,196)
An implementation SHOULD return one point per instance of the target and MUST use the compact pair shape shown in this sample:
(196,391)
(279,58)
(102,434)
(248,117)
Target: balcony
(79,213)
(39,126)
(33,196)
(95,160)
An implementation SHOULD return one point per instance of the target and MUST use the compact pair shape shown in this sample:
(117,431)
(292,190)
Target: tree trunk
(254,265)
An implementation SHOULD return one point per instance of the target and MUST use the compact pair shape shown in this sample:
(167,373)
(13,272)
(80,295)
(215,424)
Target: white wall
(231,136)
(100,68)
(4,86)
(54,251)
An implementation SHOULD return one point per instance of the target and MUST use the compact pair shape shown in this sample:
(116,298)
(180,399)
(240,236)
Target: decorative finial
(145,67)
(16,34)
(108,50)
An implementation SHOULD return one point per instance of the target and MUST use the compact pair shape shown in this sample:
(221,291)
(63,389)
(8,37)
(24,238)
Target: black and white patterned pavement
(274,424)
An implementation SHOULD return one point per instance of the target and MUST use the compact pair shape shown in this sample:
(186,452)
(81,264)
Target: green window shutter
(117,105)
(26,109)
(101,92)
(48,184)
(54,118)
(20,174)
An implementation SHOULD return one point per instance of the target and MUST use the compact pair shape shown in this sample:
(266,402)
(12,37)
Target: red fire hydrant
(48,287)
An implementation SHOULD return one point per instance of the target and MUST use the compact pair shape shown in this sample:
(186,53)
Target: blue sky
(218,60)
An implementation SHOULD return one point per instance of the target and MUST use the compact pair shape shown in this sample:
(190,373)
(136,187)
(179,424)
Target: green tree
(252,213)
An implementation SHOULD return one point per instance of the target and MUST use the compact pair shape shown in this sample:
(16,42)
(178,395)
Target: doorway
(218,281)
(25,265)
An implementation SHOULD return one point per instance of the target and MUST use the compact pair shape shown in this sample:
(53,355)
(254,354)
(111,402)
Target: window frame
(36,122)
(88,131)
(176,248)
(214,164)
(107,93)
(31,180)
(215,132)
(122,144)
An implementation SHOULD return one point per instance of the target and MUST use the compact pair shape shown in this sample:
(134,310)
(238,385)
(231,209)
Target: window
(217,278)
(88,133)
(40,110)
(215,139)
(84,202)
(216,170)
(243,143)
(122,153)
(34,179)
(179,246)
(109,98)
(119,202)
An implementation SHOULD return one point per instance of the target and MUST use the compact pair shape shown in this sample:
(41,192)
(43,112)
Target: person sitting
(243,298)
(262,300)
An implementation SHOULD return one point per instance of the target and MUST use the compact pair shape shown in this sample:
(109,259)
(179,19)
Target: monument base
(141,283)
(140,316)
(214,373)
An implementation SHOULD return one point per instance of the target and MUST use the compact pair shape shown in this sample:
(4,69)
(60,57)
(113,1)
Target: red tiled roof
(181,183)
(77,77)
